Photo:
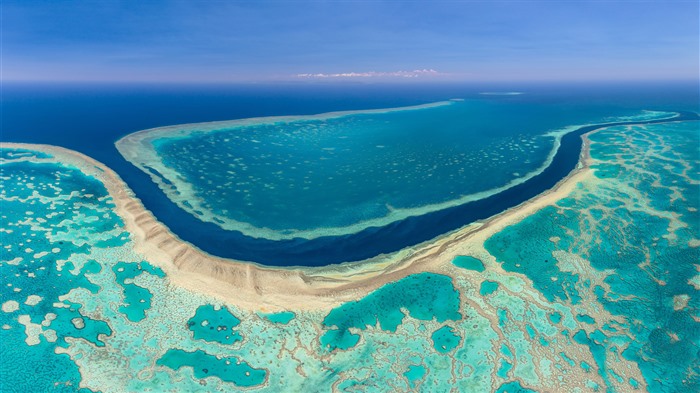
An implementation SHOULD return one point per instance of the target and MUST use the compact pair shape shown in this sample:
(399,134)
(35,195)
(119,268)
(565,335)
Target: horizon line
(333,81)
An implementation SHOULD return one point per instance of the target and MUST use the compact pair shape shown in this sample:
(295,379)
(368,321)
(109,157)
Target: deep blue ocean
(89,118)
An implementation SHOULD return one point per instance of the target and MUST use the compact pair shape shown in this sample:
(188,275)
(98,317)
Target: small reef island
(386,196)
(591,285)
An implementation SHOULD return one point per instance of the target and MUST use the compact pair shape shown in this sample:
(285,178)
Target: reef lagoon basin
(339,173)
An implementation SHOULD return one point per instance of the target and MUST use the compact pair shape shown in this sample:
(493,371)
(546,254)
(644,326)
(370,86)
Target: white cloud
(375,74)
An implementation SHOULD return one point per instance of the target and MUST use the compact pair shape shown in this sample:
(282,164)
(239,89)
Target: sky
(399,40)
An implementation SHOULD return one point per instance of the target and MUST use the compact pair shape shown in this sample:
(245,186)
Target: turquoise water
(513,387)
(280,317)
(488,287)
(215,325)
(13,154)
(415,373)
(468,262)
(40,263)
(424,296)
(633,240)
(338,174)
(445,339)
(228,369)
(136,298)
(599,291)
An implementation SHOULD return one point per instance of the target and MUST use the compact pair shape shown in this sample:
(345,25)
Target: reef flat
(591,286)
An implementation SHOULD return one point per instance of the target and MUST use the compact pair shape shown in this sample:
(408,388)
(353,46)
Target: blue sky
(381,40)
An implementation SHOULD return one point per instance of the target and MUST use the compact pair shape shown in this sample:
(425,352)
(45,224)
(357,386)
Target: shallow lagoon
(340,173)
